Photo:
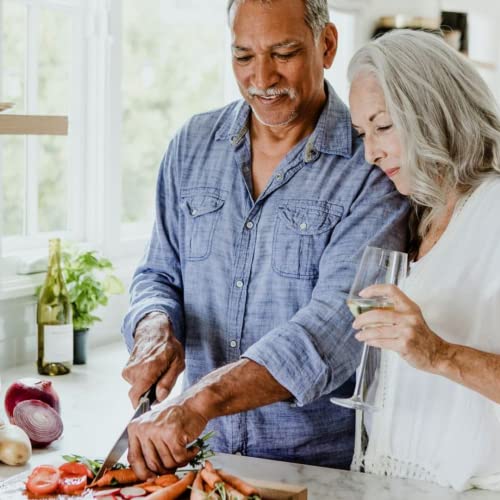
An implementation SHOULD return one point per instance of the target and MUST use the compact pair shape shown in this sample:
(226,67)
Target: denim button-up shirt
(267,279)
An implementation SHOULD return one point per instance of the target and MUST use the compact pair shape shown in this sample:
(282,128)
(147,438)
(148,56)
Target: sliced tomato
(69,484)
(43,480)
(76,469)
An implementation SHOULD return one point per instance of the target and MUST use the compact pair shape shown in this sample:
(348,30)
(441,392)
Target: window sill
(15,286)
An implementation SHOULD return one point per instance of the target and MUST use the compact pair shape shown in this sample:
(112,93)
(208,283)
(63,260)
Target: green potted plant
(90,281)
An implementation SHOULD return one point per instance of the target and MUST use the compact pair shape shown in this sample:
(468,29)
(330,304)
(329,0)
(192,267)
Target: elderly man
(263,208)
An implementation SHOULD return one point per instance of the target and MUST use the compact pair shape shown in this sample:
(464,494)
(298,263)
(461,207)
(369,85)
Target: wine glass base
(353,403)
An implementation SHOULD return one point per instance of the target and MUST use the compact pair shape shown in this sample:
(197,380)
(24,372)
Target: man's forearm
(237,387)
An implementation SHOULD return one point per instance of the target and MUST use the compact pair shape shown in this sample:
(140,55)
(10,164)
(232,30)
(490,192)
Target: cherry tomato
(76,469)
(43,480)
(70,484)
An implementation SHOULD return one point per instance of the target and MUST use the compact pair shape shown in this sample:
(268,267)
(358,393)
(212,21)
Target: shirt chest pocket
(302,231)
(202,212)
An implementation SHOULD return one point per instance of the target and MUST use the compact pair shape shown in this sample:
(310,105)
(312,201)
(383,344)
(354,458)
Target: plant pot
(80,346)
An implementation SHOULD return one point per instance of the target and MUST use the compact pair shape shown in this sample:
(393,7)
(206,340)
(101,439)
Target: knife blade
(121,444)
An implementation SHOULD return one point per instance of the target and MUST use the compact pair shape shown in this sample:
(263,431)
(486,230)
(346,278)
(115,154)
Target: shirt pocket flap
(309,219)
(202,205)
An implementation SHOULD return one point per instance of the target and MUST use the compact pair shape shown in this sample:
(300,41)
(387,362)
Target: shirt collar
(332,135)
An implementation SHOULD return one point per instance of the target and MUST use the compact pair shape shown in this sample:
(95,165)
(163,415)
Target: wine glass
(377,266)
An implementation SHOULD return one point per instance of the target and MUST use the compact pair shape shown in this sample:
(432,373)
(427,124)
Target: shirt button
(303,226)
(249,224)
(239,284)
(279,177)
(194,212)
(233,343)
(238,453)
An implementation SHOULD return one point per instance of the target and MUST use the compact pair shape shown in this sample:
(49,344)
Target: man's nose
(373,152)
(265,74)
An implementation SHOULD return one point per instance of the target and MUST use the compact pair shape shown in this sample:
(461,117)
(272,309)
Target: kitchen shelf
(33,125)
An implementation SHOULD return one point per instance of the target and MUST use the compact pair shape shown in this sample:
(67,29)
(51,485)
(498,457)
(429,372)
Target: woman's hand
(402,330)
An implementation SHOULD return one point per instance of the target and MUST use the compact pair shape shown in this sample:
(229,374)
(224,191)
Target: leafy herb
(205,450)
(90,282)
(93,465)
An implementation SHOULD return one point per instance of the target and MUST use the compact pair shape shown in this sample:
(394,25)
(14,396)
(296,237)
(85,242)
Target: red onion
(30,388)
(40,421)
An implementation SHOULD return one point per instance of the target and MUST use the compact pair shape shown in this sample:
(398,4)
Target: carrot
(197,491)
(118,476)
(151,488)
(166,480)
(237,483)
(211,478)
(209,466)
(174,490)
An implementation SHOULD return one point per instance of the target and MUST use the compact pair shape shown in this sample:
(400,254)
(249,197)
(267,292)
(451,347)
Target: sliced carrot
(166,480)
(174,490)
(197,491)
(237,483)
(118,476)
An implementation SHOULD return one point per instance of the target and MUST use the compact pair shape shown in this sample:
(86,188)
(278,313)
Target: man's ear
(330,40)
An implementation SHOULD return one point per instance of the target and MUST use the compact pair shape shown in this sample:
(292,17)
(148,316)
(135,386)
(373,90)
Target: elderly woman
(430,123)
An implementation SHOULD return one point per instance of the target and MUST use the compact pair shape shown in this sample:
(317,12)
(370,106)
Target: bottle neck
(54,257)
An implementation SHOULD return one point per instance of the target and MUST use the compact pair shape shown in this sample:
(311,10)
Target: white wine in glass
(378,266)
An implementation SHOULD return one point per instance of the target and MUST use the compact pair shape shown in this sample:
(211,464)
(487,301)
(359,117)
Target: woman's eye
(385,127)
(361,135)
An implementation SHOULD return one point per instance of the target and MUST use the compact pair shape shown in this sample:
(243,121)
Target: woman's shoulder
(486,197)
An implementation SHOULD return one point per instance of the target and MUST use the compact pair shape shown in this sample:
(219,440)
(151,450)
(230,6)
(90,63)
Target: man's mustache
(271,92)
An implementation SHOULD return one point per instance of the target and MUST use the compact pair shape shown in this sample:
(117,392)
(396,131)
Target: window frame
(95,136)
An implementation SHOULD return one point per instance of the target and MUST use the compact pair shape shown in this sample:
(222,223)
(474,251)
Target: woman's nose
(373,152)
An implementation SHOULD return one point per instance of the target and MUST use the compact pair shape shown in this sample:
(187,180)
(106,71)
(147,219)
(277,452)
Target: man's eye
(242,59)
(287,56)
(361,135)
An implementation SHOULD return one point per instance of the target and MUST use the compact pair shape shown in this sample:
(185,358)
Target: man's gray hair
(444,114)
(317,13)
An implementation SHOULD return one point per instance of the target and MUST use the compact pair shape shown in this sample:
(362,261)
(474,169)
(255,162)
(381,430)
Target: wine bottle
(54,318)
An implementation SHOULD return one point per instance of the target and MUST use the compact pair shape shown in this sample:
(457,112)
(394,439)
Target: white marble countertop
(95,407)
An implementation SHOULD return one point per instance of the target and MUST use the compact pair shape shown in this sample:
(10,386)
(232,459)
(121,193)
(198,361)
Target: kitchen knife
(121,444)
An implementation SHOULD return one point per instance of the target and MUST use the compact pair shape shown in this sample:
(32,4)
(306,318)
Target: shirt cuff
(290,354)
(137,312)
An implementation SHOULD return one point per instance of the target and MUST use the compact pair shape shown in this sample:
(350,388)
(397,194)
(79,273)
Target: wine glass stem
(362,369)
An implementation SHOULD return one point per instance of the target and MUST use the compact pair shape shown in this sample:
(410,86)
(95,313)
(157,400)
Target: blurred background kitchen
(127,74)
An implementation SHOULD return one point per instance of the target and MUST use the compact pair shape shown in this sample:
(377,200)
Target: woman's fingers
(400,301)
(377,333)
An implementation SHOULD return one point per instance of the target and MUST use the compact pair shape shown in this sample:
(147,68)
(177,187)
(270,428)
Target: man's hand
(158,439)
(157,356)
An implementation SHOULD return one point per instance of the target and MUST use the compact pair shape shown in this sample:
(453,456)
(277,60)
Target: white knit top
(429,427)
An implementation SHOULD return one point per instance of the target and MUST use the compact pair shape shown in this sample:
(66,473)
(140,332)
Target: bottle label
(57,343)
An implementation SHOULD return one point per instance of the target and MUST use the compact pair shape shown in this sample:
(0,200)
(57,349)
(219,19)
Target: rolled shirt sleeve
(315,352)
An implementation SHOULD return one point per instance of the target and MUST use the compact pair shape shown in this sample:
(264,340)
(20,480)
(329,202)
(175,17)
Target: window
(39,60)
(170,71)
(128,75)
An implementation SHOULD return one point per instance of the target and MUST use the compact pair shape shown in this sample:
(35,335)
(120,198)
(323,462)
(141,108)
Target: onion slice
(40,421)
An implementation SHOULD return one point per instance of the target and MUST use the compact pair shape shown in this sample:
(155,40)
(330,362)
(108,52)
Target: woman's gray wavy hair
(317,13)
(446,117)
